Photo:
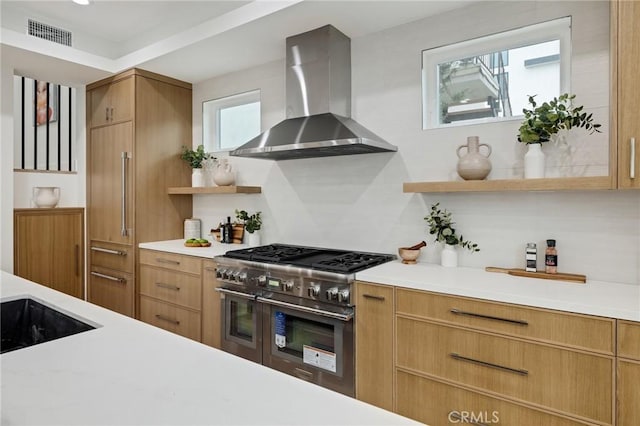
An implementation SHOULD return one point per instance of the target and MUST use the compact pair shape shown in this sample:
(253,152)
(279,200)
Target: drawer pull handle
(489,364)
(168,286)
(163,318)
(489,317)
(108,277)
(108,251)
(374,297)
(454,415)
(632,158)
(161,260)
(210,269)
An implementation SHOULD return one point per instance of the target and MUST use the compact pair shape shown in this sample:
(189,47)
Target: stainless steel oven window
(311,333)
(240,320)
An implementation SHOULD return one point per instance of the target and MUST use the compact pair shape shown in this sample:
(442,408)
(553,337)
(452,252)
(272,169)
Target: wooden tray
(238,233)
(539,274)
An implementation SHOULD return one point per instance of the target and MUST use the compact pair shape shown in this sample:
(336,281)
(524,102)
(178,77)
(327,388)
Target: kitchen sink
(26,322)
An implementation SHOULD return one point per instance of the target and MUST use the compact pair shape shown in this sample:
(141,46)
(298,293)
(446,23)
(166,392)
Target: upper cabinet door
(628,95)
(112,103)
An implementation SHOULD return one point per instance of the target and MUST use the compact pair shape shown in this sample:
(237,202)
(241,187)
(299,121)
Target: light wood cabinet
(171,292)
(113,102)
(211,305)
(374,344)
(628,374)
(628,92)
(49,248)
(137,123)
(548,364)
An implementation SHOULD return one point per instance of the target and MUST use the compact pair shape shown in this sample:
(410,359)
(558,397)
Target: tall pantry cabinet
(137,123)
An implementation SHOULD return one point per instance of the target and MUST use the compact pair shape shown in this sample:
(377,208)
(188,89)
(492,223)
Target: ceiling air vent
(47,32)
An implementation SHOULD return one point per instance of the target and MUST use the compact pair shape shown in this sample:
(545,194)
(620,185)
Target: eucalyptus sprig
(542,121)
(441,225)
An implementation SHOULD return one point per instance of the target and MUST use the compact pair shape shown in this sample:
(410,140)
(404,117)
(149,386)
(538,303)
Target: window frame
(211,118)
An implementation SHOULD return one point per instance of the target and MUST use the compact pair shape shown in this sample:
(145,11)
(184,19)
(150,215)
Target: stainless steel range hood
(318,92)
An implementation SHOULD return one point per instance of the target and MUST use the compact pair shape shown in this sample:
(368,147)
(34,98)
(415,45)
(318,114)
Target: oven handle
(236,293)
(342,317)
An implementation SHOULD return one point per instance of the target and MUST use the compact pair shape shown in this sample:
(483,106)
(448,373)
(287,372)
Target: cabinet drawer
(438,404)
(112,256)
(629,339)
(111,289)
(176,262)
(573,330)
(170,317)
(573,382)
(211,309)
(628,393)
(175,287)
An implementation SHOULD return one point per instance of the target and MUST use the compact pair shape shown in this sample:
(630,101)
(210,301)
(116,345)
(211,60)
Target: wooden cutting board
(539,274)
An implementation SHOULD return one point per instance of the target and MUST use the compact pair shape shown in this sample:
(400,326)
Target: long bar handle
(374,297)
(109,251)
(489,317)
(171,320)
(168,286)
(108,277)
(171,261)
(632,159)
(123,217)
(77,257)
(454,415)
(489,364)
(235,293)
(334,315)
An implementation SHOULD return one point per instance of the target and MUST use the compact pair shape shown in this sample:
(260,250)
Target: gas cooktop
(323,259)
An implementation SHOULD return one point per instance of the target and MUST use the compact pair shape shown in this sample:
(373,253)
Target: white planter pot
(197,178)
(253,239)
(534,162)
(46,196)
(449,256)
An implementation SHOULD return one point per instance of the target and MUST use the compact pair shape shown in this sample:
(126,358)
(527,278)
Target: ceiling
(189,40)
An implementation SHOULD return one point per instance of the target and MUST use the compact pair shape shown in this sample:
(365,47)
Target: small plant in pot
(545,122)
(252,224)
(441,225)
(195,159)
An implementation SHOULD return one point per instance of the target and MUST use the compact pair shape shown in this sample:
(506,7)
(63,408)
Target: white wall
(357,201)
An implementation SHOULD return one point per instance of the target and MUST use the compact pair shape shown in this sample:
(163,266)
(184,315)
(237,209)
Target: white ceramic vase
(253,239)
(473,165)
(224,174)
(449,256)
(46,196)
(197,178)
(534,161)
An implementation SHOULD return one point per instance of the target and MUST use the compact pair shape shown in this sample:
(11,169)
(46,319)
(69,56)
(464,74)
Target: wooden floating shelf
(216,190)
(543,184)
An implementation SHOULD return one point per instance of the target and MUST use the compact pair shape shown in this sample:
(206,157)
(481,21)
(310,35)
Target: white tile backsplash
(356,202)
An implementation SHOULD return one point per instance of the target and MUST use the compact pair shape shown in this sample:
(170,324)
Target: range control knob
(242,277)
(220,272)
(343,296)
(287,285)
(332,293)
(314,290)
(262,280)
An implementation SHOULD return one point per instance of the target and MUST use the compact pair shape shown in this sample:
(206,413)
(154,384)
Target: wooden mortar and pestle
(410,254)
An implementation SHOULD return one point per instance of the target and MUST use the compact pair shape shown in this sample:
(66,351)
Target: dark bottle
(228,227)
(551,258)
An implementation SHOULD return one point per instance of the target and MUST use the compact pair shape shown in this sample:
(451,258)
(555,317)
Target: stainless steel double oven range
(289,308)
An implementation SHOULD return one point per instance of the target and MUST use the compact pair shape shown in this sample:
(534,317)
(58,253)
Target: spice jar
(531,258)
(551,258)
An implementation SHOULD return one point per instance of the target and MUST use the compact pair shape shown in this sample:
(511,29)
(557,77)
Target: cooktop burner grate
(350,262)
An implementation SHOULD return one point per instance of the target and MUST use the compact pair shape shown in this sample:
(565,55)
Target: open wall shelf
(215,190)
(544,184)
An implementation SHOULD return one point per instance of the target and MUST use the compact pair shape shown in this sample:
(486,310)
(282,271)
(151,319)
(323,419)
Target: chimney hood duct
(318,92)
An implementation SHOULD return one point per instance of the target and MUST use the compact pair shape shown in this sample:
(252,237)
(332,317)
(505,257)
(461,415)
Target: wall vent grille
(48,32)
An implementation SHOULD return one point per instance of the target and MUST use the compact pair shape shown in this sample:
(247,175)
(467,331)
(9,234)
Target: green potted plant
(195,159)
(252,224)
(441,225)
(547,121)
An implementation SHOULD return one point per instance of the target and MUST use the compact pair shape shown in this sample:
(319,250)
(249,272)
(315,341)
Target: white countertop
(129,373)
(606,299)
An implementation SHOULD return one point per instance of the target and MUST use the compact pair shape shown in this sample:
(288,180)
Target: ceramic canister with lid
(191,228)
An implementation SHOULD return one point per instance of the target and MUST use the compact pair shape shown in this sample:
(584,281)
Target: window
(490,78)
(230,121)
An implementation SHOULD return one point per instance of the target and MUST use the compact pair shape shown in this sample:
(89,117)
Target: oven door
(241,324)
(310,343)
